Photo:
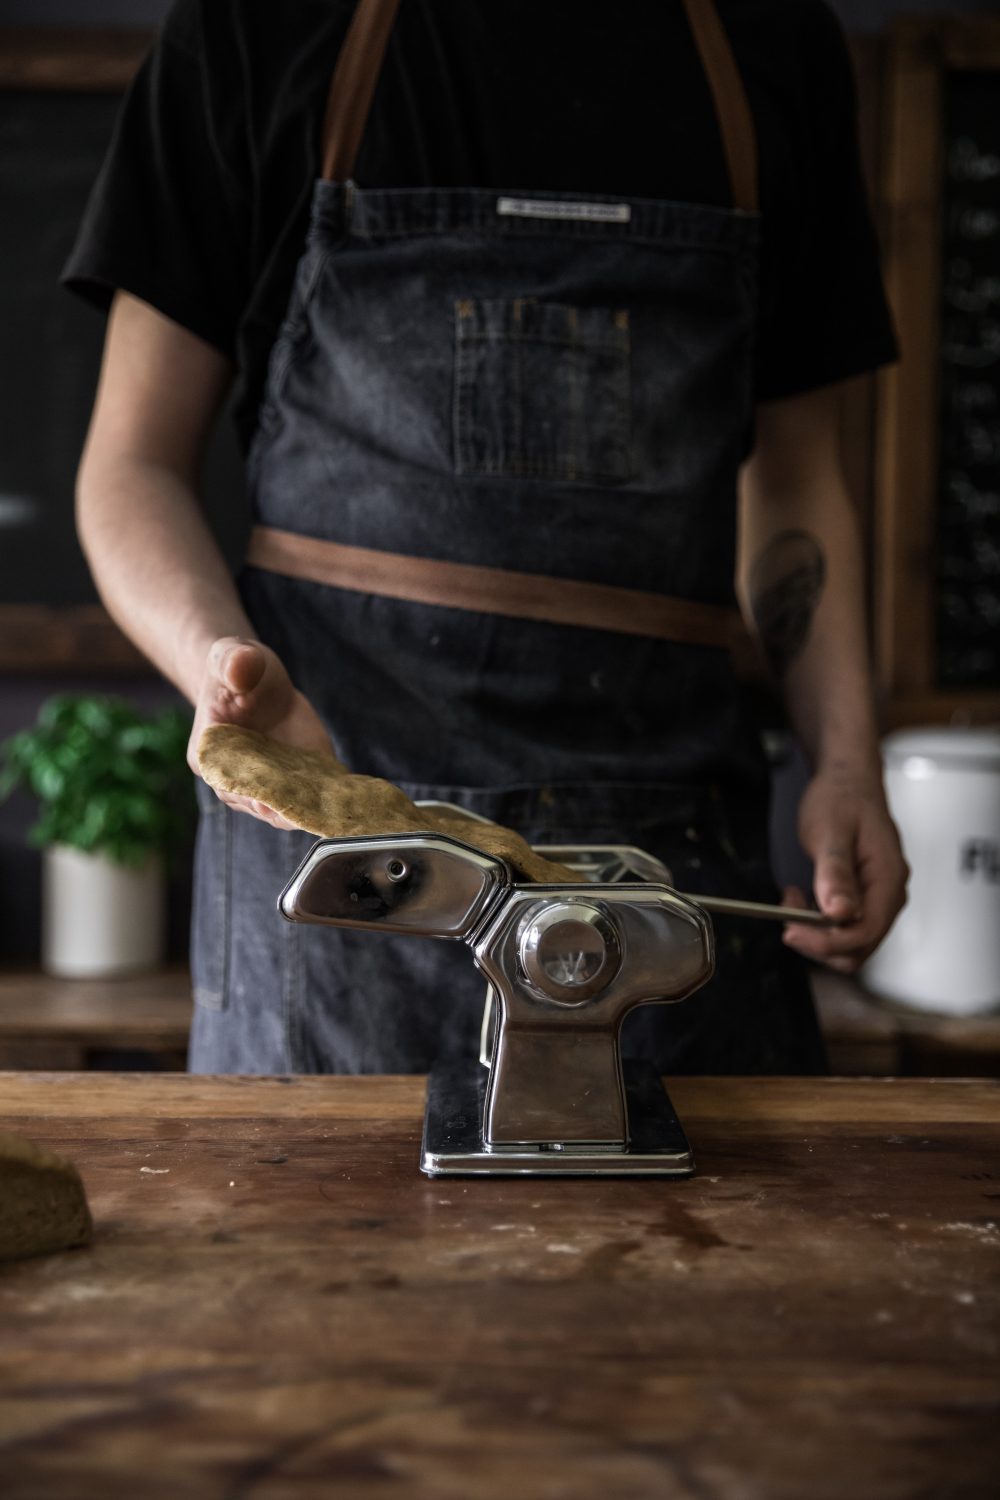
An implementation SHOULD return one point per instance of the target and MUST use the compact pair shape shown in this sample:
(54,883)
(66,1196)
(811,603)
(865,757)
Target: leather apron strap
(352,86)
(732,109)
(359,64)
(485,590)
(493,591)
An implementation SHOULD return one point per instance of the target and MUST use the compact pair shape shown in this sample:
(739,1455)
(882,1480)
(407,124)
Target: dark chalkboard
(52,141)
(968,519)
(937,574)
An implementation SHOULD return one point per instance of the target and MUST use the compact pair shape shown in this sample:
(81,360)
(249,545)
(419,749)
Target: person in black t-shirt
(202,205)
(197,222)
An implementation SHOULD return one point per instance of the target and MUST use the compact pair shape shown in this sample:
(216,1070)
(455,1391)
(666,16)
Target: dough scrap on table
(317,793)
(43,1206)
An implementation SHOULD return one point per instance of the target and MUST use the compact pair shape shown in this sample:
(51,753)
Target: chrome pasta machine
(564,965)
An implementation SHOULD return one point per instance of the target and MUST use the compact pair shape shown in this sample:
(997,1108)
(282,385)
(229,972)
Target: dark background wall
(856,15)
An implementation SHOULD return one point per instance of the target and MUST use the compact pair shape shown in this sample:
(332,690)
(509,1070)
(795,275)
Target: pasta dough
(316,792)
(43,1206)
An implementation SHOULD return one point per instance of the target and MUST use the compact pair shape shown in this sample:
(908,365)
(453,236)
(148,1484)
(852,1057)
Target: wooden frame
(919,56)
(70,59)
(857,424)
(38,638)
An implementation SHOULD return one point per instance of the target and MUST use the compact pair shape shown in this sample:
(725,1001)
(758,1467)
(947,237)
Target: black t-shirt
(201,207)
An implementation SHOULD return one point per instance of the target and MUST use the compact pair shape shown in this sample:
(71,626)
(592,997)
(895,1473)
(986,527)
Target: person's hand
(860,874)
(245,683)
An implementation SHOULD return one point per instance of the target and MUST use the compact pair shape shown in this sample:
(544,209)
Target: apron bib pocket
(542,390)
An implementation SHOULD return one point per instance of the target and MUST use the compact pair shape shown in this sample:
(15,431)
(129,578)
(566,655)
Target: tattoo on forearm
(786,582)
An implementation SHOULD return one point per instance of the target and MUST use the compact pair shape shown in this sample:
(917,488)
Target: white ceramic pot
(943,954)
(99,918)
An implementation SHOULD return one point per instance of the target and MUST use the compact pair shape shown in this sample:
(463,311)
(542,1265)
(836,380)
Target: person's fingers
(828,829)
(238,666)
(835,879)
(192,748)
(882,876)
(256,809)
(884,872)
(844,965)
(245,685)
(827,946)
(244,668)
(847,946)
(794,895)
(269,815)
(859,875)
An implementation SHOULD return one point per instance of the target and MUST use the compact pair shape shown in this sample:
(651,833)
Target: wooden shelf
(866,1035)
(83,638)
(53,1023)
(61,1024)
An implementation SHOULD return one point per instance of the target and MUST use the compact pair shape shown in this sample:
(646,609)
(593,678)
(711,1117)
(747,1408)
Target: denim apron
(556,384)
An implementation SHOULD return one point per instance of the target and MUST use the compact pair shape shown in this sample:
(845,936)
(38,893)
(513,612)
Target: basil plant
(109,779)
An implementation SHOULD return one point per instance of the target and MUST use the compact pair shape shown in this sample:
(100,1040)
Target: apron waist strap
(494,591)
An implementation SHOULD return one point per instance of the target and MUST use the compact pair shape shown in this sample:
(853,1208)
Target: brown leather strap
(493,591)
(356,74)
(739,138)
(353,86)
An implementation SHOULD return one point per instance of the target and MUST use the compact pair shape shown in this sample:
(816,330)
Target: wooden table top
(278,1304)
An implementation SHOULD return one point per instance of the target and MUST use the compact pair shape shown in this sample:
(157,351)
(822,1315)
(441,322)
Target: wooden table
(277,1304)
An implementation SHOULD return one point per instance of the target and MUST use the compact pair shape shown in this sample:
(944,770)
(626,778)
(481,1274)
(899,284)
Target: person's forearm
(800,580)
(800,586)
(157,567)
(802,595)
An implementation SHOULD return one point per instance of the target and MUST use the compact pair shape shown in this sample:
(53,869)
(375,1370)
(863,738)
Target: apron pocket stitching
(542,390)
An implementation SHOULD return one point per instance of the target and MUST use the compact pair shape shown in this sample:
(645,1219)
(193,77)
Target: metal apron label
(544,208)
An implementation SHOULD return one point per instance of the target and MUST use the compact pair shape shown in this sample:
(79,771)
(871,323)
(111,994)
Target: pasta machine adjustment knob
(569,950)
